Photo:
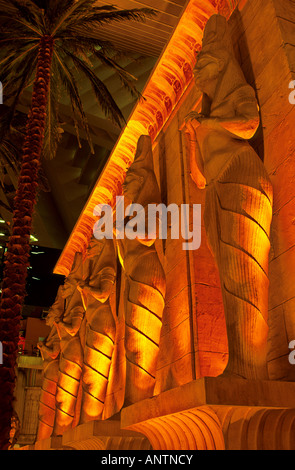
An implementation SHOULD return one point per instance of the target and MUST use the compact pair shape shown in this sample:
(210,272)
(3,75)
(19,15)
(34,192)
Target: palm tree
(40,46)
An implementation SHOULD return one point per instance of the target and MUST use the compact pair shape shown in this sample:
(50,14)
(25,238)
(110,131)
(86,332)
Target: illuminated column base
(207,414)
(218,414)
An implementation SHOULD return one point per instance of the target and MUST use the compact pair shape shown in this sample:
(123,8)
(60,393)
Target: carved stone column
(71,355)
(145,283)
(99,273)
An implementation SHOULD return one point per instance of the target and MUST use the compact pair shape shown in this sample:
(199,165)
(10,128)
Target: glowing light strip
(167,84)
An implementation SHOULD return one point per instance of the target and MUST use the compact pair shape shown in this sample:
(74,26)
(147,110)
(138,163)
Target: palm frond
(43,180)
(11,138)
(17,70)
(86,11)
(70,85)
(55,10)
(93,20)
(71,9)
(89,43)
(21,82)
(8,40)
(19,15)
(19,24)
(102,94)
(28,11)
(9,155)
(127,79)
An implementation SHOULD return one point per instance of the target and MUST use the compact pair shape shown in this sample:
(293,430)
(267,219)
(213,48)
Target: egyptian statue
(50,349)
(99,274)
(71,354)
(238,204)
(145,283)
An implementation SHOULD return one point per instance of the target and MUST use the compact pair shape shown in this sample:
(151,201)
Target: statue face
(206,71)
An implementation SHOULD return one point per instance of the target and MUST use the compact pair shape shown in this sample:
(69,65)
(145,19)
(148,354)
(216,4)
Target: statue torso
(218,146)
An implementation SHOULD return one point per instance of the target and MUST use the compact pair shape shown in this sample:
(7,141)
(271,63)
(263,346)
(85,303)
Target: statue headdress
(216,35)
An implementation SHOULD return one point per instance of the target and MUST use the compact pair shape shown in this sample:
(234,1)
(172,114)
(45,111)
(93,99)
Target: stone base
(95,435)
(218,413)
(207,414)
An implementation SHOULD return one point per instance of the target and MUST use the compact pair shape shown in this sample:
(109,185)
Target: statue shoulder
(243,94)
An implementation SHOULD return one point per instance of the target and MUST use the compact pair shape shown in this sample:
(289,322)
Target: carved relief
(238,208)
(50,349)
(144,282)
(99,274)
(71,355)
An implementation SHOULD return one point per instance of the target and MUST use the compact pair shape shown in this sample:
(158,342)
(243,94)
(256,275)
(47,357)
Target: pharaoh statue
(50,349)
(99,274)
(71,354)
(238,206)
(145,282)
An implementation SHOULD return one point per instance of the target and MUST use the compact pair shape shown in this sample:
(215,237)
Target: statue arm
(103,289)
(243,125)
(102,293)
(196,161)
(73,327)
(52,352)
(244,122)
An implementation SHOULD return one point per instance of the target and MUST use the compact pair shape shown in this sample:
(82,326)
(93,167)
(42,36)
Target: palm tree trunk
(18,250)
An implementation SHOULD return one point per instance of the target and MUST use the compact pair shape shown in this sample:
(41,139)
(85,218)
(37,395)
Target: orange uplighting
(170,78)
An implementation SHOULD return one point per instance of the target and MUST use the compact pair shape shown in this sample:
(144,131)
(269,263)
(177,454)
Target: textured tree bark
(18,250)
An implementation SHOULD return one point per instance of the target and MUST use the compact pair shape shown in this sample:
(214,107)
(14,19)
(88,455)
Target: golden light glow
(167,84)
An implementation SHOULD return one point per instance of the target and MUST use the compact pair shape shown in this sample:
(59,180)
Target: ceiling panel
(147,38)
